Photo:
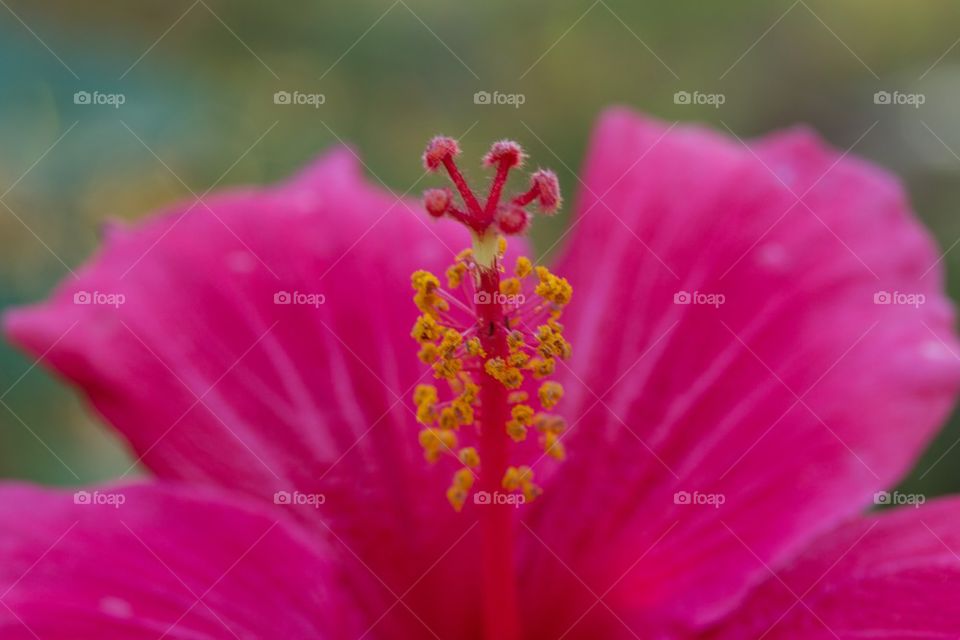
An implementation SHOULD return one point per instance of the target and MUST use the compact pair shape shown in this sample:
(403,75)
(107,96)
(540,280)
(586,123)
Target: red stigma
(512,219)
(437,201)
(508,218)
(438,150)
(505,152)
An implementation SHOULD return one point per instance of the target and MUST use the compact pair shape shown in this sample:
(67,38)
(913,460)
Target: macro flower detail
(720,461)
(483,338)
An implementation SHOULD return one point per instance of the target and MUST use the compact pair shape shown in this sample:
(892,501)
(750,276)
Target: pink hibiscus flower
(744,376)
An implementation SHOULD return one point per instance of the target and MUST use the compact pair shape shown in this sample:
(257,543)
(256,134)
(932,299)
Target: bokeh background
(198,79)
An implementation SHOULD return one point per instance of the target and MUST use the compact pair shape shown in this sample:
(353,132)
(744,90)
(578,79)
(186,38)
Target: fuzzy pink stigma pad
(439,149)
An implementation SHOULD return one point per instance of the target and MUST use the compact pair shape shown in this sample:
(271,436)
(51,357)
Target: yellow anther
(450,343)
(531,491)
(425,397)
(507,375)
(469,457)
(448,419)
(426,298)
(501,245)
(428,353)
(553,288)
(515,341)
(426,329)
(510,286)
(542,368)
(447,369)
(436,442)
(455,275)
(470,392)
(547,423)
(552,446)
(463,412)
(516,431)
(464,478)
(518,396)
(550,393)
(551,341)
(457,497)
(474,348)
(424,392)
(524,267)
(523,414)
(516,477)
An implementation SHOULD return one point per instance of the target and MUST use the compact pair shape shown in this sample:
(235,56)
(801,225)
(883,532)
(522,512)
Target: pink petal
(211,381)
(148,561)
(704,399)
(892,575)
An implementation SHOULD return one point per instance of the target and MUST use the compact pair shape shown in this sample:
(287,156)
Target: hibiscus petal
(148,561)
(791,400)
(892,575)
(211,380)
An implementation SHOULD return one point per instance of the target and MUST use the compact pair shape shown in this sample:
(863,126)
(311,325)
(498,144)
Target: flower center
(493,339)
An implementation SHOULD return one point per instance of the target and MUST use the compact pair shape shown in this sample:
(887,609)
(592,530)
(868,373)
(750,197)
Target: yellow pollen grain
(542,368)
(469,457)
(553,288)
(550,393)
(517,396)
(553,447)
(524,267)
(510,286)
(521,478)
(425,329)
(428,353)
(448,419)
(516,431)
(455,275)
(523,414)
(474,348)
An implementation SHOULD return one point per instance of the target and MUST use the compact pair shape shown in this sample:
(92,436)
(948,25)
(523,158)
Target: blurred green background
(199,78)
